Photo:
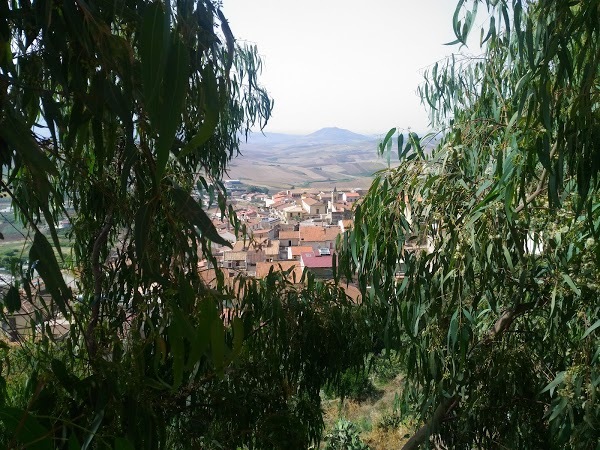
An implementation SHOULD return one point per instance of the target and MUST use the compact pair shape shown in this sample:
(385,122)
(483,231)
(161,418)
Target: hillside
(327,156)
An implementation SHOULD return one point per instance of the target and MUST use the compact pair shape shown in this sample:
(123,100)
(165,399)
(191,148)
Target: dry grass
(366,416)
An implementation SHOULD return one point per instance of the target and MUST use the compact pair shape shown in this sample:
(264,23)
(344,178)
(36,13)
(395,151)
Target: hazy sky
(346,63)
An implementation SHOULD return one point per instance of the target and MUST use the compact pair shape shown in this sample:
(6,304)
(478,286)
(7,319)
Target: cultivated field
(328,157)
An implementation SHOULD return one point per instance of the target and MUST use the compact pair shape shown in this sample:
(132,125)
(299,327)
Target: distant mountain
(323,137)
(336,135)
(328,157)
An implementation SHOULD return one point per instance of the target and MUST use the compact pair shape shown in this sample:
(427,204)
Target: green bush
(344,436)
(354,384)
(387,367)
(390,421)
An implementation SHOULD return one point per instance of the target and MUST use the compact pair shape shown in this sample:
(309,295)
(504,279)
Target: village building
(289,238)
(313,206)
(296,252)
(318,237)
(294,212)
(319,263)
(263,269)
(350,197)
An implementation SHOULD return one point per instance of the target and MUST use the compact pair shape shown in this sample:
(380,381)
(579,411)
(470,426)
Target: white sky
(346,63)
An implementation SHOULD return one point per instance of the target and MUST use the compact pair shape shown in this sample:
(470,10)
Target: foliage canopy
(122,116)
(496,231)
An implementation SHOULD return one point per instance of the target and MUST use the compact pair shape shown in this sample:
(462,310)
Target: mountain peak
(335,133)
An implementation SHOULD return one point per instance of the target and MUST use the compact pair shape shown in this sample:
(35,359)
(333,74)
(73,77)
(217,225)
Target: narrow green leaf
(553,300)
(569,281)
(41,255)
(142,230)
(400,145)
(12,299)
(229,39)
(416,143)
(453,330)
(51,227)
(238,335)
(51,116)
(507,256)
(591,329)
(383,144)
(508,200)
(491,32)
(22,427)
(192,211)
(456,23)
(153,54)
(21,140)
(551,386)
(93,429)
(558,410)
(175,87)
(217,344)
(211,113)
(531,53)
(177,350)
(66,379)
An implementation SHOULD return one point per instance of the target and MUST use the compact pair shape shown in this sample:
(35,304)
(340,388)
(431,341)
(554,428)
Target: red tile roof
(298,250)
(263,268)
(312,261)
(319,234)
(289,235)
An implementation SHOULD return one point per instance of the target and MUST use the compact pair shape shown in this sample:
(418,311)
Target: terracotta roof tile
(289,235)
(263,268)
(318,234)
(312,261)
(298,250)
(311,201)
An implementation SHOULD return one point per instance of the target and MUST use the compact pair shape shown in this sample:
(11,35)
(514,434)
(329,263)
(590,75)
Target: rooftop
(299,249)
(314,261)
(318,234)
(289,235)
(311,201)
(263,268)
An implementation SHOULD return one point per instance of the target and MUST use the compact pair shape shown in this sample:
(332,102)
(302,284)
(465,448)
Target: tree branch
(430,428)
(448,404)
(507,317)
(97,271)
(541,184)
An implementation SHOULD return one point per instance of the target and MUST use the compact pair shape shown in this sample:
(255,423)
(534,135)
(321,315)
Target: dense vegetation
(119,110)
(497,315)
(112,113)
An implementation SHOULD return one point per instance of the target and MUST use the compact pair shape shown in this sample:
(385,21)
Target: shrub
(390,421)
(354,384)
(387,367)
(344,436)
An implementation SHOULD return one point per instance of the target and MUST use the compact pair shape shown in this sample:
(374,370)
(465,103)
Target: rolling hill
(329,156)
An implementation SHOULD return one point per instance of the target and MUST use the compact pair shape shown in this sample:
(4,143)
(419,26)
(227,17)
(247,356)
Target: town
(293,229)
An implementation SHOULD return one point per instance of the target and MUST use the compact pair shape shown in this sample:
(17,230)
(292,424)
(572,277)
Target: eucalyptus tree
(113,113)
(497,312)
